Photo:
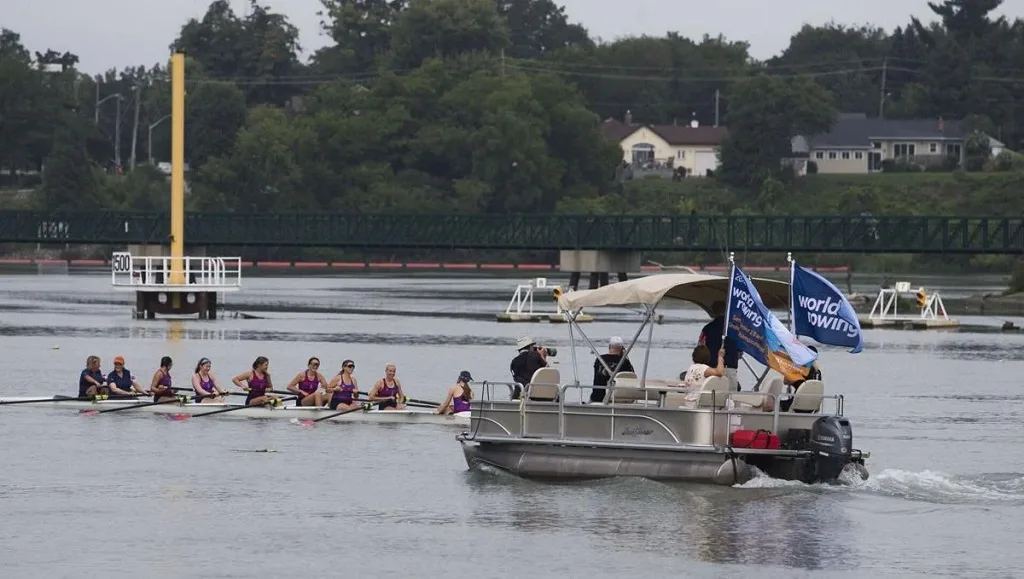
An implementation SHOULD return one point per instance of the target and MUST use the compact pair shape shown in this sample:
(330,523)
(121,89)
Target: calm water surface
(126,495)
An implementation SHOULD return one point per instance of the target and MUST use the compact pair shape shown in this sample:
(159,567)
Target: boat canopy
(700,289)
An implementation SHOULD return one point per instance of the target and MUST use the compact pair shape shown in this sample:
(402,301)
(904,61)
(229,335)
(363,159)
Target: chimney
(942,125)
(629,118)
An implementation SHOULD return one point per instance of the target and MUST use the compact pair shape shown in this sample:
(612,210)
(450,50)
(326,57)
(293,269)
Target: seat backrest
(776,388)
(626,389)
(544,385)
(808,397)
(715,384)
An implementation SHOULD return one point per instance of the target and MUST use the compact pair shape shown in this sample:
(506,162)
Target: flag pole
(728,296)
(792,306)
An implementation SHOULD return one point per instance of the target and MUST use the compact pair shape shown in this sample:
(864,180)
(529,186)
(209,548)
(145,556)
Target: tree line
(469,106)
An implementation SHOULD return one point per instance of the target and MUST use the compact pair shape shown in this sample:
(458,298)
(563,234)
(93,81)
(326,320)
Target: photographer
(530,358)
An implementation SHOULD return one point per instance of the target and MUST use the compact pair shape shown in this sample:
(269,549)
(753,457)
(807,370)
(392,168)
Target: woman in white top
(700,370)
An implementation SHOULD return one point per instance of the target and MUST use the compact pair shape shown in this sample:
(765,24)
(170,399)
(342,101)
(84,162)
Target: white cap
(615,341)
(524,342)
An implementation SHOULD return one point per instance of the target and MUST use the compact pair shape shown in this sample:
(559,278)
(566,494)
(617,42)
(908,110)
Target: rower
(121,381)
(387,391)
(459,396)
(91,382)
(257,383)
(344,388)
(160,385)
(306,384)
(205,383)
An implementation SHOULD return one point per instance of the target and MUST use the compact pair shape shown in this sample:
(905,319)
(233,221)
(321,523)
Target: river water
(124,495)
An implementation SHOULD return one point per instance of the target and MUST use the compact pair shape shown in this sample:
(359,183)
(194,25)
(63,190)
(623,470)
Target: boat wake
(924,486)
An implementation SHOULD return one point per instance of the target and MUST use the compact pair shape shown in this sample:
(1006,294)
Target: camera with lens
(553,352)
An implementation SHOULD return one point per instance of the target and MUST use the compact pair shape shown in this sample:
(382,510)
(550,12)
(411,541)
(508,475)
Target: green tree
(361,31)
(445,29)
(69,178)
(766,113)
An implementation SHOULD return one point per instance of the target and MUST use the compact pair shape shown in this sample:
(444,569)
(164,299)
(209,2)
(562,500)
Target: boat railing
(654,397)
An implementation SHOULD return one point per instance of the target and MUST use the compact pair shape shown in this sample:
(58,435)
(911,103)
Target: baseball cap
(119,359)
(615,341)
(465,376)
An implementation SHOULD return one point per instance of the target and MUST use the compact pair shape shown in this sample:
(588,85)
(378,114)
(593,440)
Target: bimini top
(701,289)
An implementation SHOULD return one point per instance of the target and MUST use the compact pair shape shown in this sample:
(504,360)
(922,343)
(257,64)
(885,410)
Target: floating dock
(162,289)
(520,307)
(885,312)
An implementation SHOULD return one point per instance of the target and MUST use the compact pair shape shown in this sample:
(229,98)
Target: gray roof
(857,130)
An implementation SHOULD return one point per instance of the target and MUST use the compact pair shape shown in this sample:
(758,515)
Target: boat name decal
(636,431)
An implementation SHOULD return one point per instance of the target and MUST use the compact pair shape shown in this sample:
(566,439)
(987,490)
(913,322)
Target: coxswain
(257,383)
(91,382)
(121,382)
(306,384)
(205,383)
(160,385)
(387,391)
(459,396)
(343,389)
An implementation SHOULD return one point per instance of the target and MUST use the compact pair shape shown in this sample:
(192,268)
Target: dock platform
(161,288)
(520,307)
(885,312)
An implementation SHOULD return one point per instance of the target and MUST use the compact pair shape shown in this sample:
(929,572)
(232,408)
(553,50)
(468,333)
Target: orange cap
(119,360)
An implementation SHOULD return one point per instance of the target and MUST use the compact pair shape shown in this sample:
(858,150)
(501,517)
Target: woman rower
(257,384)
(121,382)
(160,385)
(91,382)
(344,388)
(306,384)
(388,391)
(205,384)
(459,396)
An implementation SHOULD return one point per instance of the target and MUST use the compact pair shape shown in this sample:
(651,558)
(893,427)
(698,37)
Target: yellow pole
(177,168)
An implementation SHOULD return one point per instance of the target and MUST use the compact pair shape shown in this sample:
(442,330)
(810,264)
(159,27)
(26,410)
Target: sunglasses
(349,366)
(316,365)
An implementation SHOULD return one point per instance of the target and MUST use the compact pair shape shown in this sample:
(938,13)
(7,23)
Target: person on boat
(160,385)
(121,381)
(343,389)
(611,360)
(813,374)
(257,383)
(387,391)
(459,396)
(694,376)
(91,381)
(205,384)
(306,384)
(711,336)
(528,360)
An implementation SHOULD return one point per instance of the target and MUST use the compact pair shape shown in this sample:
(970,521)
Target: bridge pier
(598,263)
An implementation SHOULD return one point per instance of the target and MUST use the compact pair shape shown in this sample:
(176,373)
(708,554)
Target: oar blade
(88,412)
(304,422)
(179,416)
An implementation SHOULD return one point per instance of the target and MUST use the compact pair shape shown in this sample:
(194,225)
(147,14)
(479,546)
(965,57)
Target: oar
(312,422)
(183,416)
(54,399)
(427,402)
(180,399)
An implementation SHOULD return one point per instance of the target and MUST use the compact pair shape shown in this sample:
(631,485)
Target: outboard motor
(832,443)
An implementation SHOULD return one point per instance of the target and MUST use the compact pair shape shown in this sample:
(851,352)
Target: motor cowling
(832,444)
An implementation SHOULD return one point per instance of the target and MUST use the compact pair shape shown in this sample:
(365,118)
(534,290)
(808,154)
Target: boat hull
(407,416)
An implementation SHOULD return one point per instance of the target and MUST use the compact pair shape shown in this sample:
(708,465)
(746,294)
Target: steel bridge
(691,233)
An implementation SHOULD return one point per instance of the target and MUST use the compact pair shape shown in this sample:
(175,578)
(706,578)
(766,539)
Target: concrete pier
(599,264)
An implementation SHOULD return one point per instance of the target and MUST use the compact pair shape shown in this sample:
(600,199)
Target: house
(664,149)
(858,144)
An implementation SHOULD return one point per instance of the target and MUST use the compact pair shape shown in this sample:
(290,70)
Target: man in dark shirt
(711,336)
(611,359)
(529,359)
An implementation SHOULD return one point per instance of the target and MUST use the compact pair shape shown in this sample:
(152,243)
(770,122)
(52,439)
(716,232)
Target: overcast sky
(119,33)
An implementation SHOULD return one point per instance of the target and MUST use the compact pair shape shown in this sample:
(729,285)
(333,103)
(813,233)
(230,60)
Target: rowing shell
(407,416)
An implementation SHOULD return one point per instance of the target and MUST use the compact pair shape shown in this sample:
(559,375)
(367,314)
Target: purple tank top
(460,405)
(345,394)
(308,386)
(257,385)
(206,385)
(164,380)
(387,391)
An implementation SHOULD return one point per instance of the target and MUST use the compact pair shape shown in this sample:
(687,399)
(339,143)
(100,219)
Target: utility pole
(151,127)
(96,108)
(502,62)
(718,95)
(135,127)
(117,135)
(881,97)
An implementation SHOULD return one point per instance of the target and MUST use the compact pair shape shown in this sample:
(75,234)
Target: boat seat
(627,390)
(756,400)
(707,399)
(544,385)
(808,397)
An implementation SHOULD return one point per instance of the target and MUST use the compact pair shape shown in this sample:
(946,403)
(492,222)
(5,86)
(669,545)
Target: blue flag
(759,332)
(822,312)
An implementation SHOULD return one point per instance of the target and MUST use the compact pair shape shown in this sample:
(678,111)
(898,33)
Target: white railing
(886,305)
(155,272)
(522,299)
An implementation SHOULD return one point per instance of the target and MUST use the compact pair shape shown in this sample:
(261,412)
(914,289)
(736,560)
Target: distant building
(664,149)
(858,144)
